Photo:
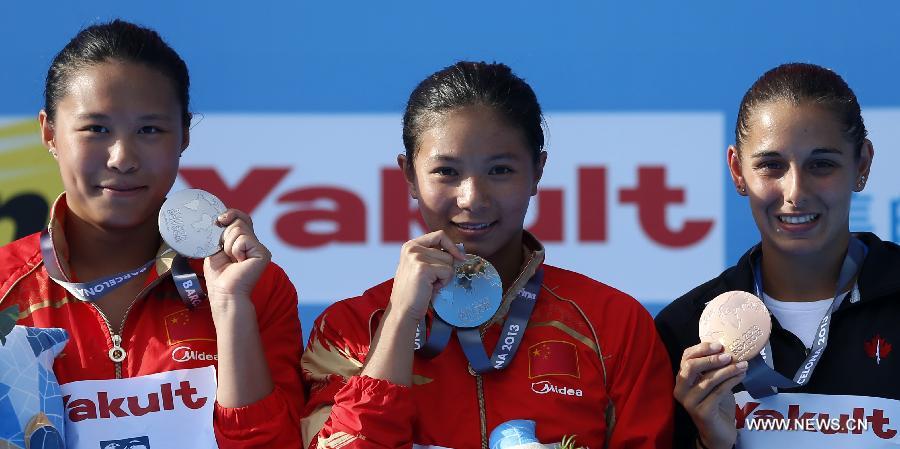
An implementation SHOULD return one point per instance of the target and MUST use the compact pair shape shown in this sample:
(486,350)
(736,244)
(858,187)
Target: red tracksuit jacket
(591,364)
(160,334)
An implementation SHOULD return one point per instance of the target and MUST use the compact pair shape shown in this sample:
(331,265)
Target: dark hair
(801,83)
(116,40)
(473,83)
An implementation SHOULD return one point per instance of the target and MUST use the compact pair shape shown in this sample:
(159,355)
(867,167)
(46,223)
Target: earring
(861,183)
(52,153)
(742,190)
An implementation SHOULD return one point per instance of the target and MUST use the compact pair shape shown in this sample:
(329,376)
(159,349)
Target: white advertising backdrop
(627,198)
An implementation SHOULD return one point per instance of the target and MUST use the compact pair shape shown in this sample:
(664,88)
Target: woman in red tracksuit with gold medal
(574,355)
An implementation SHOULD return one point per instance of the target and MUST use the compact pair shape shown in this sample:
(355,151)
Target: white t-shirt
(801,318)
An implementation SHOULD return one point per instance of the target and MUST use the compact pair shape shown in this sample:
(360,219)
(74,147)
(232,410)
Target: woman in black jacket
(800,152)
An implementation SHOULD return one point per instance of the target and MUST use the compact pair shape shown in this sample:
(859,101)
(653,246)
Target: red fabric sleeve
(640,382)
(359,412)
(372,414)
(273,421)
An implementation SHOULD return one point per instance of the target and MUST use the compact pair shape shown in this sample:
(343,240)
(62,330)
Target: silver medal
(187,223)
(473,296)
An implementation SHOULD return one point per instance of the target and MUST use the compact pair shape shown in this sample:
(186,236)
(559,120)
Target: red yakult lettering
(592,204)
(797,416)
(104,407)
(652,197)
(397,213)
(246,195)
(344,212)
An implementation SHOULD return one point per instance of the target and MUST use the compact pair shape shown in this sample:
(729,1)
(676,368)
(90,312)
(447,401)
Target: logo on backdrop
(346,210)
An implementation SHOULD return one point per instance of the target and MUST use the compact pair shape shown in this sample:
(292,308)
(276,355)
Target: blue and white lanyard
(186,281)
(761,379)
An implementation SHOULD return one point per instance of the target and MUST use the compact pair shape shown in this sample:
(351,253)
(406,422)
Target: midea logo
(544,387)
(185,353)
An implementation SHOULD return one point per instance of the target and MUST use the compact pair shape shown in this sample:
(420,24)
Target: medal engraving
(473,296)
(739,321)
(187,223)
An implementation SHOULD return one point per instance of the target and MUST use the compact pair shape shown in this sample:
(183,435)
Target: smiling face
(473,175)
(799,173)
(117,135)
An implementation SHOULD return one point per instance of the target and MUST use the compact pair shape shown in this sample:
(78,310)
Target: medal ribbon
(186,281)
(762,380)
(437,339)
(470,338)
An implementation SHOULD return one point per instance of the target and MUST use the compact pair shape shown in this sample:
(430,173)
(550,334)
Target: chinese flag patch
(877,348)
(186,325)
(553,358)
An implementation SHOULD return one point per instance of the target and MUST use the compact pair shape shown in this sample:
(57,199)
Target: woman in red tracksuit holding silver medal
(148,363)
(468,337)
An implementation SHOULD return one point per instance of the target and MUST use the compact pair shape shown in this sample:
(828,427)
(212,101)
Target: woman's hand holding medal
(733,328)
(234,271)
(426,265)
(703,387)
(231,275)
(197,225)
(191,222)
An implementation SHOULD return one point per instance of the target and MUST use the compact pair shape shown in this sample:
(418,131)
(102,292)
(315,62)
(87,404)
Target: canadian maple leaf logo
(877,348)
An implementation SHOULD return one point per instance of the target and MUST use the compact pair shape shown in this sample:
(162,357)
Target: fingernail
(223,216)
(724,357)
(742,365)
(716,346)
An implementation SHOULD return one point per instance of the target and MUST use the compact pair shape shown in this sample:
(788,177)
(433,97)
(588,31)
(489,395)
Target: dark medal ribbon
(470,338)
(761,379)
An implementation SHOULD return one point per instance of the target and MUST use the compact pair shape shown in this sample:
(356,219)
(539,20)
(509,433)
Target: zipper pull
(117,353)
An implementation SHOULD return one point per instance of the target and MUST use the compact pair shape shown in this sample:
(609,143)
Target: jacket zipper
(479,382)
(116,343)
(117,353)
(482,411)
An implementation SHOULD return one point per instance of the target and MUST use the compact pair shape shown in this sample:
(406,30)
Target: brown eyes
(818,166)
(95,129)
(449,171)
(445,171)
(100,129)
(149,130)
